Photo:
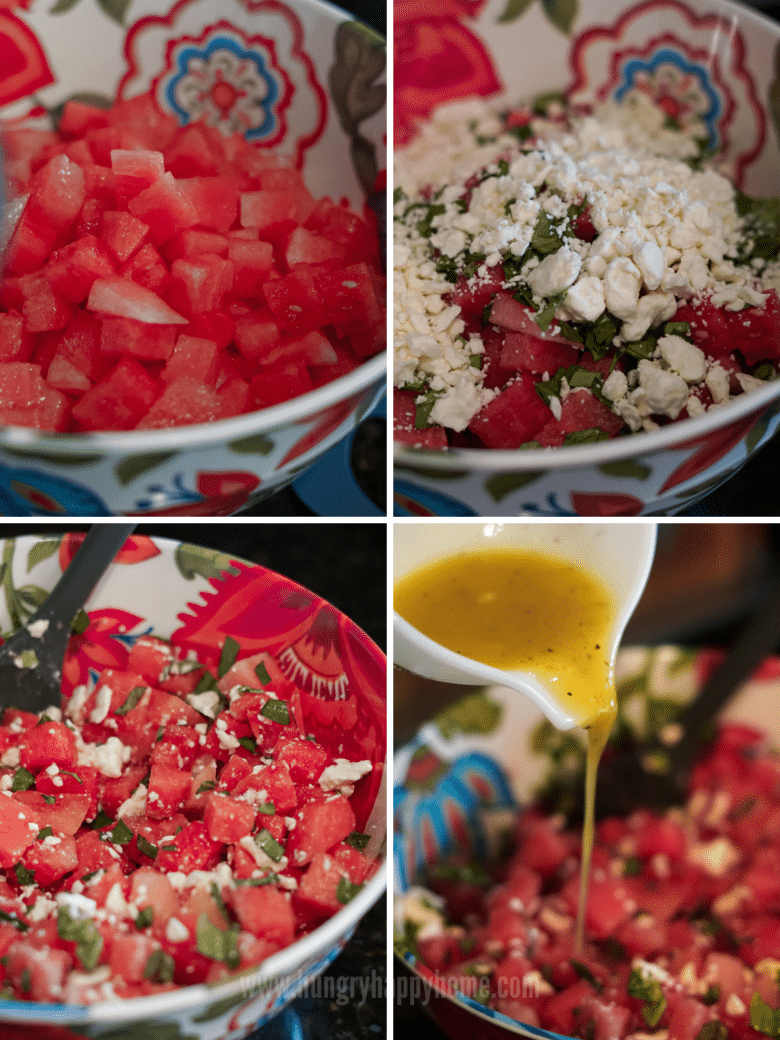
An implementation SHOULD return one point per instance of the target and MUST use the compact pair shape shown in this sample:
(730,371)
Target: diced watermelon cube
(146,267)
(351,299)
(26,399)
(72,269)
(57,193)
(199,283)
(317,892)
(51,862)
(214,199)
(319,826)
(190,154)
(253,261)
(137,338)
(512,418)
(164,208)
(297,302)
(117,402)
(127,299)
(134,171)
(184,400)
(306,247)
(532,354)
(264,911)
(344,229)
(195,850)
(228,819)
(78,117)
(43,309)
(79,344)
(46,744)
(193,242)
(193,357)
(404,431)
(63,375)
(15,835)
(256,334)
(313,348)
(580,411)
(275,212)
(15,342)
(278,383)
(121,233)
(168,788)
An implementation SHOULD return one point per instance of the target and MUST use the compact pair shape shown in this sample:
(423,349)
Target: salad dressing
(522,610)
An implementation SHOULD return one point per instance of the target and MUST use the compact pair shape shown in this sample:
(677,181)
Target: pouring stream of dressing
(520,609)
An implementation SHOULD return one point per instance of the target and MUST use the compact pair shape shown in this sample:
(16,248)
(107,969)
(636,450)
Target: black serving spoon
(654,774)
(31,660)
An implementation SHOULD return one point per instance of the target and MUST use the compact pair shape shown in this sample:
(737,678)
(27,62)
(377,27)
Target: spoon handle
(100,546)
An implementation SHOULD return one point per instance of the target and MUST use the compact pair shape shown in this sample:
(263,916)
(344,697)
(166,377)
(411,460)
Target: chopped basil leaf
(248,743)
(714,1030)
(585,973)
(545,238)
(262,674)
(85,877)
(145,917)
(100,821)
(346,890)
(228,656)
(146,847)
(764,370)
(23,875)
(160,734)
(641,348)
(216,944)
(206,682)
(25,981)
(270,846)
(267,879)
(585,436)
(47,832)
(11,919)
(80,623)
(23,780)
(216,895)
(49,799)
(632,866)
(159,967)
(648,990)
(266,808)
(169,848)
(64,772)
(569,332)
(276,711)
(121,834)
(425,226)
(763,1018)
(711,995)
(89,941)
(423,409)
(207,785)
(42,719)
(132,700)
(357,840)
(677,328)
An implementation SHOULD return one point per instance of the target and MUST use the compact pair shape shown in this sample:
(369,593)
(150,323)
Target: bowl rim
(296,411)
(673,436)
(253,979)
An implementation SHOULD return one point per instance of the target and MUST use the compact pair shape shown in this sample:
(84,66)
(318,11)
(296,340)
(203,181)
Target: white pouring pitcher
(618,554)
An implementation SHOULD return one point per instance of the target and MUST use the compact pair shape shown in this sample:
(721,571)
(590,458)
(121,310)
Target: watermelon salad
(682,923)
(568,277)
(167,827)
(159,275)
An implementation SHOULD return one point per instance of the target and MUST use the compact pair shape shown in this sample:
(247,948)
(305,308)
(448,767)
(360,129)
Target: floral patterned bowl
(198,597)
(494,749)
(284,54)
(714,62)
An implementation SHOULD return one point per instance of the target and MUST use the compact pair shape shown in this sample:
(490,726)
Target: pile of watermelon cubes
(160,275)
(168,827)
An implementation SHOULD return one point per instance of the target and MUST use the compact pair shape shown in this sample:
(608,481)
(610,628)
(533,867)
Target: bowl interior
(467,760)
(714,63)
(198,597)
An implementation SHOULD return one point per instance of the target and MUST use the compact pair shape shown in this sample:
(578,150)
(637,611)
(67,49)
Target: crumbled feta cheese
(175,931)
(343,772)
(80,908)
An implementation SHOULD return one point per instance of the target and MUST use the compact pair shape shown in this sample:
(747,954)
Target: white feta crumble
(343,772)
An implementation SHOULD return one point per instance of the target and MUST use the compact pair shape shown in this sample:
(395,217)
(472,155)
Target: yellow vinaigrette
(521,610)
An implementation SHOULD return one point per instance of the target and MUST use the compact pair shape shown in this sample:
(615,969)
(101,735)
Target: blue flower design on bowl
(232,86)
(28,492)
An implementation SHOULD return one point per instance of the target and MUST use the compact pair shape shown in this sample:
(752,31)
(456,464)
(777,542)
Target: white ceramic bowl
(192,593)
(714,55)
(479,753)
(216,468)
